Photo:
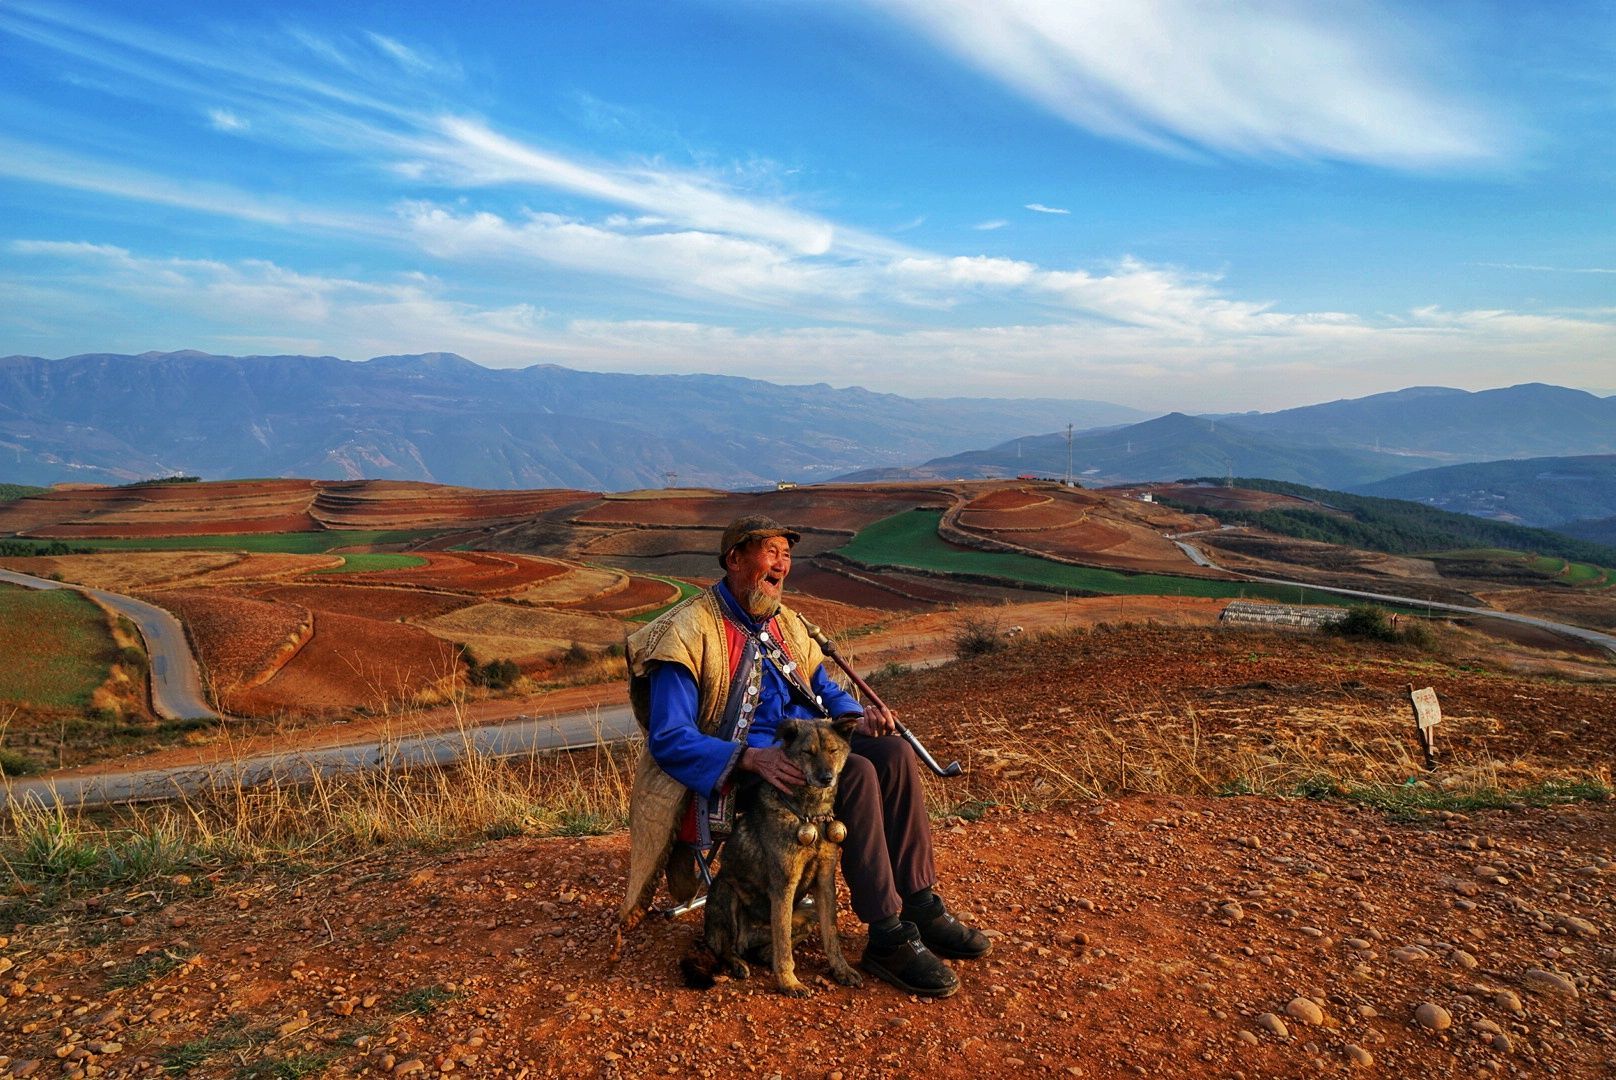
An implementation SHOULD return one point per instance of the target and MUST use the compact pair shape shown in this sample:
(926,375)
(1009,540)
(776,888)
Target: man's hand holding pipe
(878,720)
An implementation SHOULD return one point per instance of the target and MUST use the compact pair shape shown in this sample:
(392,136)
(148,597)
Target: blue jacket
(703,762)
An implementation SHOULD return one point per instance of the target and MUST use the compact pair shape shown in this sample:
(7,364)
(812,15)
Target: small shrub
(1365,621)
(977,635)
(16,763)
(495,674)
(1368,622)
(577,654)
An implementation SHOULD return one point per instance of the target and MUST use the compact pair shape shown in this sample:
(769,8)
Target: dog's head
(818,747)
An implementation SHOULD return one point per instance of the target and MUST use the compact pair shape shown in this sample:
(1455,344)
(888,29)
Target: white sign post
(1427,715)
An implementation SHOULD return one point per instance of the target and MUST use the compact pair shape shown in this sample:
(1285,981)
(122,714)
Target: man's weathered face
(756,573)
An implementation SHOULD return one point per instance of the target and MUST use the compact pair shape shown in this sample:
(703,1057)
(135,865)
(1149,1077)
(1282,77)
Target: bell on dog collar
(808,834)
(836,832)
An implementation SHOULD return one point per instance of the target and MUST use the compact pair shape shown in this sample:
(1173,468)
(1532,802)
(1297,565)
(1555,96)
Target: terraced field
(910,540)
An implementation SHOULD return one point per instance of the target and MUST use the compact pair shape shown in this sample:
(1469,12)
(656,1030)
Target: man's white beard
(759,604)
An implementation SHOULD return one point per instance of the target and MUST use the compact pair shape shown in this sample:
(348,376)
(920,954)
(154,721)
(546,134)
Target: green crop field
(1550,567)
(910,540)
(55,645)
(685,590)
(364,563)
(298,543)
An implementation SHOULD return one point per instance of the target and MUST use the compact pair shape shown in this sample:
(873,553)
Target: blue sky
(1163,203)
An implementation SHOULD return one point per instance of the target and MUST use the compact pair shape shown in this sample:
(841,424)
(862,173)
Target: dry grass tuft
(301,816)
(1152,748)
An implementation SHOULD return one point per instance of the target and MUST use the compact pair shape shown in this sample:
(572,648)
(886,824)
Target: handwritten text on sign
(1427,713)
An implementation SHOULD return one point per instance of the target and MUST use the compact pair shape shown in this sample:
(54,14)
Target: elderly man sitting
(711,679)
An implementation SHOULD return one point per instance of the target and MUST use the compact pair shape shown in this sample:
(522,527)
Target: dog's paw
(794,989)
(848,977)
(737,969)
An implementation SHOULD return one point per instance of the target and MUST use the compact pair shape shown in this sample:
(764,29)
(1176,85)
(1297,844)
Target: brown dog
(780,847)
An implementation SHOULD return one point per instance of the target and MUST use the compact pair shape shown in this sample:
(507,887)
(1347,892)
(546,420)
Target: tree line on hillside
(1392,525)
(13,492)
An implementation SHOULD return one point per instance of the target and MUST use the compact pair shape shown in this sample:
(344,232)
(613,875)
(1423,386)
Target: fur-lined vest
(696,635)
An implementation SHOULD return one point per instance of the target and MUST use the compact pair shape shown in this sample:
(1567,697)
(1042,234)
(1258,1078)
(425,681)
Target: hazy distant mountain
(1531,420)
(1601,531)
(1340,444)
(1547,491)
(1167,448)
(437,416)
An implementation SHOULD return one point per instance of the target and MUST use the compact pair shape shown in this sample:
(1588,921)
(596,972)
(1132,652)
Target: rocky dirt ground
(1151,935)
(1136,935)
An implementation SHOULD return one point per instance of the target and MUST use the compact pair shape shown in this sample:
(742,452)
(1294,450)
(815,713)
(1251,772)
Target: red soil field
(235,637)
(1046,516)
(834,618)
(651,543)
(1222,498)
(351,662)
(403,504)
(468,571)
(262,506)
(840,507)
(1108,545)
(642,594)
(375,602)
(164,510)
(808,580)
(146,527)
(1008,499)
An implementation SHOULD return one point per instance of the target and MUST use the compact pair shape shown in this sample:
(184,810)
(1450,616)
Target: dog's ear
(788,731)
(846,725)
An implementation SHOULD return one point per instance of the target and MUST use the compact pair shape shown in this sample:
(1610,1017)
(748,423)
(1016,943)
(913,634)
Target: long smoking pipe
(829,649)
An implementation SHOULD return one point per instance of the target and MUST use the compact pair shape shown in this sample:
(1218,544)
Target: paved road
(1579,632)
(176,684)
(509,738)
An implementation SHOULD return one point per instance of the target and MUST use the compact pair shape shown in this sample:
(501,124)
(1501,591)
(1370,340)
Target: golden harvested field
(510,630)
(639,594)
(579,583)
(271,565)
(125,570)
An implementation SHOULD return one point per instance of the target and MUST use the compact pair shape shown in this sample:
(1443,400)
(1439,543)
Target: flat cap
(752,527)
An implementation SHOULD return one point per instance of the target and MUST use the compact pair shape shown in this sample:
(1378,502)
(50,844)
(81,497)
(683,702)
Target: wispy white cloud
(1550,269)
(225,120)
(1309,80)
(1211,357)
(327,95)
(1042,209)
(42,165)
(687,262)
(989,226)
(407,57)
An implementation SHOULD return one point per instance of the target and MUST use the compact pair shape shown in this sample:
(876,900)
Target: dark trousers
(887,854)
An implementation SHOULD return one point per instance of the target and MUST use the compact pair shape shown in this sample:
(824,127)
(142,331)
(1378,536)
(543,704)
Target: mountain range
(111,418)
(1341,445)
(1544,491)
